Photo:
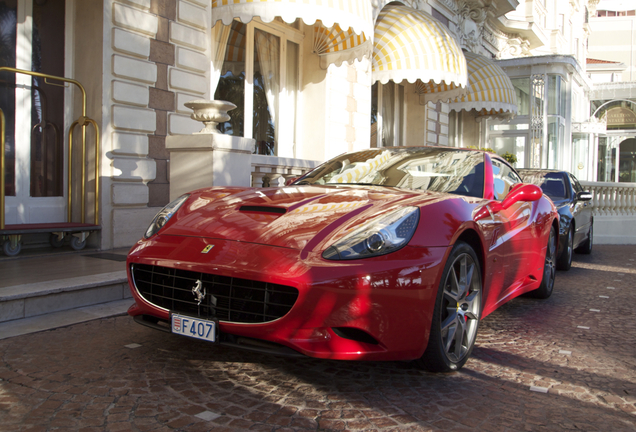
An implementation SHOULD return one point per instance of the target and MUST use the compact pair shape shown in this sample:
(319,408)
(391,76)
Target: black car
(575,210)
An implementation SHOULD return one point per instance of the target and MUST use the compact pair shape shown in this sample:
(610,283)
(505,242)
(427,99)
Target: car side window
(575,184)
(504,178)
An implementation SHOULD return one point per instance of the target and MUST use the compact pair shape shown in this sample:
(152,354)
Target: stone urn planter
(210,112)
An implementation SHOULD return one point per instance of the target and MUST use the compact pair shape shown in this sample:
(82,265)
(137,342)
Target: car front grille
(229,299)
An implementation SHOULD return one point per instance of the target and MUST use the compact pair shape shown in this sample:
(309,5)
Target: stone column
(203,160)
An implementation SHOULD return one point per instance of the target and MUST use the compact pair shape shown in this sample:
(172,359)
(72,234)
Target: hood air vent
(263,209)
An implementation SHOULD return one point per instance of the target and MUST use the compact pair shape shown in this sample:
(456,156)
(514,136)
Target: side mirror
(584,196)
(523,193)
(291,180)
(518,193)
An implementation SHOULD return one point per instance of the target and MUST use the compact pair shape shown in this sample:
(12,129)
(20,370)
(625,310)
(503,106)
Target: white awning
(490,91)
(343,32)
(410,45)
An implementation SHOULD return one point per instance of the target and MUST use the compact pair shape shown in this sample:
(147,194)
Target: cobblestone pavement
(566,363)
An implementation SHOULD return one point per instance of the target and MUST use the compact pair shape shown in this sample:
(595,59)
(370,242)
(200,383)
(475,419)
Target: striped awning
(411,45)
(490,91)
(335,45)
(344,29)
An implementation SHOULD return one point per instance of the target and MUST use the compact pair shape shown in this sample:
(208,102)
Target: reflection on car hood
(288,216)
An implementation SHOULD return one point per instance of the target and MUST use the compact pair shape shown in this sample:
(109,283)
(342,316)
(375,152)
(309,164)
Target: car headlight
(380,236)
(164,215)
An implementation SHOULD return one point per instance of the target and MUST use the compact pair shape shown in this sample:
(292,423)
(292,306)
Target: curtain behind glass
(374,115)
(231,85)
(219,47)
(388,115)
(8,22)
(292,90)
(47,100)
(267,79)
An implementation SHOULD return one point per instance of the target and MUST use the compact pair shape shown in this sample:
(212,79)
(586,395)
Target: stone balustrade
(274,171)
(612,199)
(614,209)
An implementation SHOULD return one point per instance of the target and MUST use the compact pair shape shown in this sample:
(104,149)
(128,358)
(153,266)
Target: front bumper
(373,309)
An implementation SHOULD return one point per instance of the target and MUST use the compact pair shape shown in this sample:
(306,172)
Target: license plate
(193,327)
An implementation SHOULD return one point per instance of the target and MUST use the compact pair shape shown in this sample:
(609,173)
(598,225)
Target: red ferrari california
(384,254)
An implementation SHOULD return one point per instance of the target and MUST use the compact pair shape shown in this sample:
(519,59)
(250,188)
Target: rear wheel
(457,312)
(564,262)
(586,247)
(549,269)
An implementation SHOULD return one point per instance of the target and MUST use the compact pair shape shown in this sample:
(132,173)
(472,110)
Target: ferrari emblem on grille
(207,249)
(199,292)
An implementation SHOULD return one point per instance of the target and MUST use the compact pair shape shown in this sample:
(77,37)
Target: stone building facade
(142,60)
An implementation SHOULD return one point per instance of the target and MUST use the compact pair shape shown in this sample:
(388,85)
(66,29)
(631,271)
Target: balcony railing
(274,171)
(612,199)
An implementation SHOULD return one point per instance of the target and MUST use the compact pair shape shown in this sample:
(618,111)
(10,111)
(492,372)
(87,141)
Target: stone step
(76,295)
(64,318)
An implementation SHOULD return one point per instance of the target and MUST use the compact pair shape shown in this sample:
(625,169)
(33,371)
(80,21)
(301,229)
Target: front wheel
(456,314)
(549,269)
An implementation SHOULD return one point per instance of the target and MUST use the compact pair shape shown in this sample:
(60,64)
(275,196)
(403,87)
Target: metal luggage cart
(77,232)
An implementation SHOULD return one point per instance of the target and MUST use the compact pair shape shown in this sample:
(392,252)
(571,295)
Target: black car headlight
(380,236)
(164,215)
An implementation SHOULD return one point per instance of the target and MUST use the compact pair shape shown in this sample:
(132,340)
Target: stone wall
(348,108)
(158,57)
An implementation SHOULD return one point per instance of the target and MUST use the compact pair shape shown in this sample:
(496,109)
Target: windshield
(427,169)
(552,183)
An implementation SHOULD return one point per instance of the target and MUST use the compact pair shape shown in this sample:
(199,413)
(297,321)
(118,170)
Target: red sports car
(384,254)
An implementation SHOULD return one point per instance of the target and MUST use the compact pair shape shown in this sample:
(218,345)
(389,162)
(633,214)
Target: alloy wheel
(549,269)
(460,308)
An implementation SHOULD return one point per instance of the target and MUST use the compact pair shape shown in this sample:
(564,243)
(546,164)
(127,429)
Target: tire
(55,241)
(586,247)
(77,244)
(457,312)
(11,251)
(549,269)
(564,262)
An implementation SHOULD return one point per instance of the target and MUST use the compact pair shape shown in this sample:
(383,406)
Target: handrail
(82,121)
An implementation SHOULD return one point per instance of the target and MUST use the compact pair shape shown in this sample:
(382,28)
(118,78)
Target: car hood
(290,217)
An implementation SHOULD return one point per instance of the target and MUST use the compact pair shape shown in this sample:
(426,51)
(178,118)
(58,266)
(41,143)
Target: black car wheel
(564,262)
(586,247)
(457,312)
(549,269)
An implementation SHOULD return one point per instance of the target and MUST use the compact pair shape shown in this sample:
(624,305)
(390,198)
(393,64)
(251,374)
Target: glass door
(32,36)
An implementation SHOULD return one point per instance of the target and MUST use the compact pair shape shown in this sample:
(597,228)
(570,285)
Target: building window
(387,115)
(260,75)
(35,142)
(556,95)
(522,88)
(556,140)
(515,145)
(441,17)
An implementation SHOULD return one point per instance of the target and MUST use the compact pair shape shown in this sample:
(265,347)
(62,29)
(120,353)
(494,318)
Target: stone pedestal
(203,160)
